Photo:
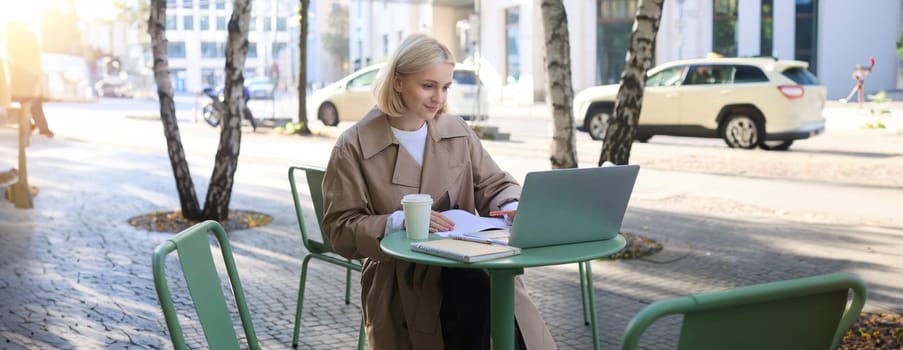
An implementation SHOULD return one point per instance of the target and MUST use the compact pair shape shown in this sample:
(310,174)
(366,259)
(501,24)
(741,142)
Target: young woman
(405,145)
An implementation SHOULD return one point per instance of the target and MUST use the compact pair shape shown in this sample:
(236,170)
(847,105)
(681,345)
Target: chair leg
(360,336)
(348,286)
(583,293)
(300,300)
(590,292)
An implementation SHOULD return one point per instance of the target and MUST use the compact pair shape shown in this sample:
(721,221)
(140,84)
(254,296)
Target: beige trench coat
(367,175)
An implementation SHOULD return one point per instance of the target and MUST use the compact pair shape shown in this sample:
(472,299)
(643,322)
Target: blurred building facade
(504,38)
(378,27)
(197,33)
(832,35)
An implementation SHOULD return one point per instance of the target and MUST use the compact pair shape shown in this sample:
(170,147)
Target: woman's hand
(507,214)
(440,223)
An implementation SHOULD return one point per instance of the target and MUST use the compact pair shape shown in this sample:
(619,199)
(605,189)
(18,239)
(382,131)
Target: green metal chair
(204,286)
(320,250)
(589,300)
(805,313)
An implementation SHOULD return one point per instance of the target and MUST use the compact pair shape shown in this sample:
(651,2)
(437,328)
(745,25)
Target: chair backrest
(806,313)
(193,248)
(314,177)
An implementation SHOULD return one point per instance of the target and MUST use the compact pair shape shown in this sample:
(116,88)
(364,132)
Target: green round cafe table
(502,272)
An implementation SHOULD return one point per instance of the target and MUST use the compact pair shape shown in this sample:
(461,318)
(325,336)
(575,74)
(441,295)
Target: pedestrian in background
(26,73)
(407,144)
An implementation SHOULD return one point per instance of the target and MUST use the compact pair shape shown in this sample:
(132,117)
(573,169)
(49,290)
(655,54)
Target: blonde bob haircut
(416,53)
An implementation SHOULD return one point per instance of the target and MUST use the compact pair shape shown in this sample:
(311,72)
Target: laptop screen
(572,205)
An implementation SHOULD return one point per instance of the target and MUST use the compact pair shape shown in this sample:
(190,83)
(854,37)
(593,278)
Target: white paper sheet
(466,222)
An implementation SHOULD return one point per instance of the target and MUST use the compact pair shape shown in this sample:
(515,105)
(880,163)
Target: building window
(171,4)
(267,24)
(724,28)
(766,43)
(253,24)
(204,22)
(385,45)
(204,4)
(171,23)
(188,22)
(512,52)
(175,49)
(211,49)
(281,23)
(220,23)
(277,48)
(615,18)
(177,77)
(211,77)
(806,32)
(252,50)
(187,4)
(220,4)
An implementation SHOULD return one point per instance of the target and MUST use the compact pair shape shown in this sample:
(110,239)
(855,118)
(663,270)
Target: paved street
(75,275)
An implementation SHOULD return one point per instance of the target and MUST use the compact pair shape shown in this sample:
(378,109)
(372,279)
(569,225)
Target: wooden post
(21,193)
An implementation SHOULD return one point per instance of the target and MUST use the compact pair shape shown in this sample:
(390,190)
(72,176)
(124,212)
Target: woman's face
(425,92)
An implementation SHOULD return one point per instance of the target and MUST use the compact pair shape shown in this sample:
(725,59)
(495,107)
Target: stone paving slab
(75,275)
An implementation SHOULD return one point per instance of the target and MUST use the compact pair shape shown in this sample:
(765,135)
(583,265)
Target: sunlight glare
(96,9)
(28,11)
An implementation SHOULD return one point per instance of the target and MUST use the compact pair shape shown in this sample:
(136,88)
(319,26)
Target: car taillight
(792,91)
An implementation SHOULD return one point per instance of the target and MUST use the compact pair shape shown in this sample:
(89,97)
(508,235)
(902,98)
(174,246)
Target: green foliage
(880,109)
(900,45)
(291,128)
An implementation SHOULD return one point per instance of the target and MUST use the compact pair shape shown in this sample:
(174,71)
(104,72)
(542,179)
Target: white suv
(748,102)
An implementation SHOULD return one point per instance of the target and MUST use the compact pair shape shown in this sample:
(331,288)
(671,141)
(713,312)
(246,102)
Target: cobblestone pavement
(75,275)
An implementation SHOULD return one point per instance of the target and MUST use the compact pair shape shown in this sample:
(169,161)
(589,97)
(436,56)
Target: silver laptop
(572,205)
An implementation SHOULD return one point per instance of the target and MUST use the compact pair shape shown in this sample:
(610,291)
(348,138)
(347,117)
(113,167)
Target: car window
(365,79)
(668,77)
(465,77)
(749,74)
(714,74)
(801,76)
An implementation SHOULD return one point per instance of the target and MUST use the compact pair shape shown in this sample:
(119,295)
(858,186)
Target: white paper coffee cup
(417,208)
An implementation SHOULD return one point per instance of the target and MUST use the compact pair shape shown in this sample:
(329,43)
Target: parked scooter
(215,109)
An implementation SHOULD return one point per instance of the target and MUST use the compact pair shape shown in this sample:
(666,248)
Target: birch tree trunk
(302,66)
(219,193)
(156,27)
(558,78)
(640,56)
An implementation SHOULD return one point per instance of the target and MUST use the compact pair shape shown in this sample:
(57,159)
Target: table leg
(21,192)
(501,282)
(591,294)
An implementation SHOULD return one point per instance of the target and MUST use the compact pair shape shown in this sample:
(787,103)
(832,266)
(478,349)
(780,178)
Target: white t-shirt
(412,141)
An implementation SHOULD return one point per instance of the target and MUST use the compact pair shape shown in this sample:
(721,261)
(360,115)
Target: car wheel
(596,123)
(742,130)
(643,138)
(776,145)
(328,115)
(210,114)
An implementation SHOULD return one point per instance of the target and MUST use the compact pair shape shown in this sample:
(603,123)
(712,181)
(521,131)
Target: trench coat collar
(375,135)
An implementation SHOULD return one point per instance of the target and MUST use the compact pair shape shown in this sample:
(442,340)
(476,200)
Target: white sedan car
(748,102)
(352,96)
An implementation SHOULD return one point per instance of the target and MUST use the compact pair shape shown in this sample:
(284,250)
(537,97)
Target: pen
(477,239)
